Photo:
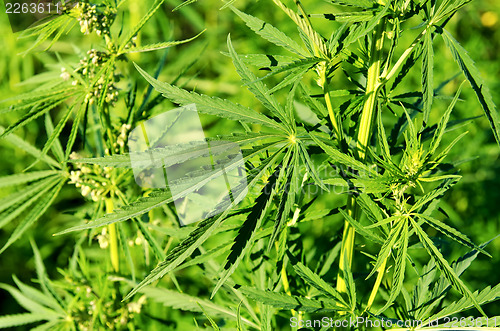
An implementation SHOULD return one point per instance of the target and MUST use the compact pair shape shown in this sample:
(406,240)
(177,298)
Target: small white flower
(65,76)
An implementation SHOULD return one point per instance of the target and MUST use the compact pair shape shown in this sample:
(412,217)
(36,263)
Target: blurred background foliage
(473,205)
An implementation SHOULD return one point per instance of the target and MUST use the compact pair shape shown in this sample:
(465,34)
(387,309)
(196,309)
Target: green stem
(113,239)
(365,128)
(376,286)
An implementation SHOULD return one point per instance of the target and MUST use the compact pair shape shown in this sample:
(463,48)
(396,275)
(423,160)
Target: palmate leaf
(257,87)
(422,204)
(30,304)
(35,213)
(140,25)
(305,63)
(444,267)
(201,233)
(348,17)
(161,197)
(359,30)
(423,300)
(286,302)
(25,178)
(451,232)
(270,33)
(58,24)
(292,78)
(29,148)
(339,157)
(385,251)
(252,223)
(399,269)
(421,293)
(317,282)
(265,61)
(176,154)
(358,185)
(211,105)
(20,201)
(37,295)
(359,228)
(290,189)
(477,83)
(9,321)
(487,295)
(187,302)
(440,129)
(33,114)
(39,96)
(313,40)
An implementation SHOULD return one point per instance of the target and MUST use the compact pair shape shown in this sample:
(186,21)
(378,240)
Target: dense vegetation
(358,141)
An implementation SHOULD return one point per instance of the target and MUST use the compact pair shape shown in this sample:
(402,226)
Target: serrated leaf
(357,31)
(399,269)
(348,17)
(290,186)
(256,86)
(317,45)
(438,134)
(487,295)
(265,60)
(157,46)
(421,204)
(427,75)
(316,281)
(29,304)
(9,321)
(187,302)
(338,156)
(451,232)
(311,169)
(23,199)
(204,229)
(56,148)
(34,214)
(37,295)
(53,140)
(247,231)
(443,265)
(388,245)
(286,302)
(269,32)
(211,105)
(477,83)
(140,25)
(22,178)
(359,228)
(30,116)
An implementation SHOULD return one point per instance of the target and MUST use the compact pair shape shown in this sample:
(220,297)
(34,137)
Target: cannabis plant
(335,132)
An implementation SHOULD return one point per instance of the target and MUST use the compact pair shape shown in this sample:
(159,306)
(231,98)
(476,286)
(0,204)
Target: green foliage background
(473,205)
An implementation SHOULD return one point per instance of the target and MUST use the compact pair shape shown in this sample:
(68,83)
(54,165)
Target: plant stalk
(113,239)
(365,127)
